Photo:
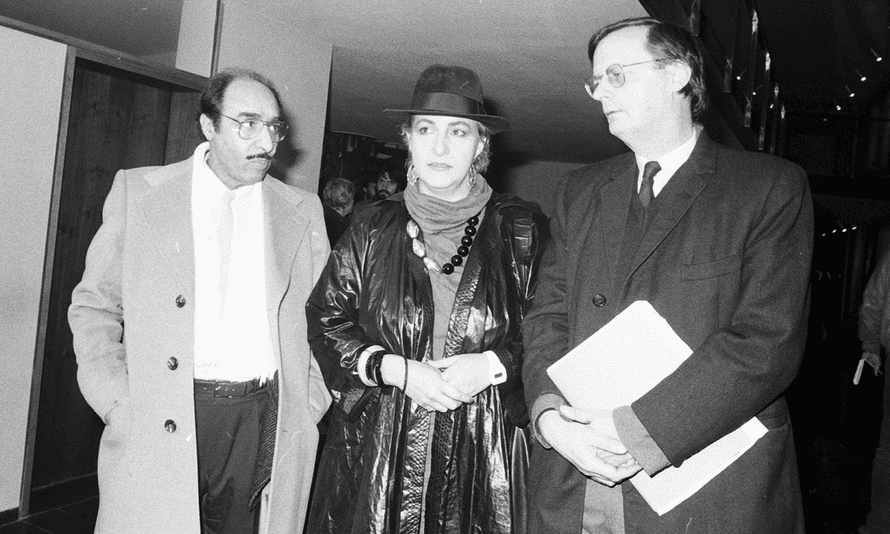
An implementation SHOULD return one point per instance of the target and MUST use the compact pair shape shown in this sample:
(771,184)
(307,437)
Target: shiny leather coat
(374,290)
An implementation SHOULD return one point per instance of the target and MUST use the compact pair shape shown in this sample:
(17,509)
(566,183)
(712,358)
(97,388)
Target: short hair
(213,94)
(671,42)
(338,193)
(480,164)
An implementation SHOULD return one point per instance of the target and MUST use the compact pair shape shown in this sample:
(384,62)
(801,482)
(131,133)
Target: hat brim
(494,123)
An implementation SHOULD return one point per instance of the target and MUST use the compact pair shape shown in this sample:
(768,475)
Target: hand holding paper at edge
(639,346)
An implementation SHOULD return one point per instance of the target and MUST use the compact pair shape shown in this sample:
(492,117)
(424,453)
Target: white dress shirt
(232,335)
(669,163)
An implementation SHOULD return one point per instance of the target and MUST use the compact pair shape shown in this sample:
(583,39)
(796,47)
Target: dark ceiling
(822,48)
(530,54)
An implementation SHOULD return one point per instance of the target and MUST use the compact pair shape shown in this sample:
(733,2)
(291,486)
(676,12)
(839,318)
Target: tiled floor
(78,518)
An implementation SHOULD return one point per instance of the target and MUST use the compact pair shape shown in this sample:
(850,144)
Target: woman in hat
(416,325)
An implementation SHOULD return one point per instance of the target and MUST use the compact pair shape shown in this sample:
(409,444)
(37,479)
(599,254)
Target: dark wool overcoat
(725,259)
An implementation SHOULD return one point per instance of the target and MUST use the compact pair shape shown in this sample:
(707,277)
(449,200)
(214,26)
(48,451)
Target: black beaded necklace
(462,251)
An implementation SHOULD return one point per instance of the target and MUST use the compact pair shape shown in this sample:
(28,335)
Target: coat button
(170,425)
(172,363)
(180,301)
(599,300)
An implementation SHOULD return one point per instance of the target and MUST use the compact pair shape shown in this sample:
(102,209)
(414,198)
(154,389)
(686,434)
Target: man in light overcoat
(190,332)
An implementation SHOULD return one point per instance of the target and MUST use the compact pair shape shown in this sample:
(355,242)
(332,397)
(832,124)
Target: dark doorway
(117,120)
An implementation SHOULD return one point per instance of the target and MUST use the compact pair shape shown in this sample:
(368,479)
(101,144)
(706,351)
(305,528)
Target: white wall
(194,51)
(535,181)
(299,65)
(30,95)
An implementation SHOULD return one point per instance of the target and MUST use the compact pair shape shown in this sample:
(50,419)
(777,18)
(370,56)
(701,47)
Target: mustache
(264,155)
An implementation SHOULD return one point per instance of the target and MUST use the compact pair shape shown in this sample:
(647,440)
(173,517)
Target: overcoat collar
(167,209)
(674,201)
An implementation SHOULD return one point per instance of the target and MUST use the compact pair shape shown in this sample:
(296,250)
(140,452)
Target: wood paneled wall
(117,120)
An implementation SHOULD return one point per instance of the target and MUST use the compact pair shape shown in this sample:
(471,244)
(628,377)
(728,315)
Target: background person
(337,201)
(416,322)
(874,332)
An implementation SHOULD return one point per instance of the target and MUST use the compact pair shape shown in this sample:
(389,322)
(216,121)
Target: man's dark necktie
(646,193)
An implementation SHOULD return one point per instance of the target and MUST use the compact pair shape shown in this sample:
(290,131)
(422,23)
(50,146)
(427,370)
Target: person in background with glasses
(719,242)
(190,331)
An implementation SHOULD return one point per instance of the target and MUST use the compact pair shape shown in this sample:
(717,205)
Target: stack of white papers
(620,363)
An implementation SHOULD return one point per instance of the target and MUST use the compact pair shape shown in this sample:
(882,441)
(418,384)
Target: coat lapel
(615,201)
(167,208)
(284,231)
(677,197)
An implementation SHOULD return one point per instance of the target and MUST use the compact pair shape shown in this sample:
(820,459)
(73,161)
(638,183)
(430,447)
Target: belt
(225,388)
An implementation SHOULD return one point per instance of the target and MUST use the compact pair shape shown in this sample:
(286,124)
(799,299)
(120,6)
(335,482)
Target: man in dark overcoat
(719,241)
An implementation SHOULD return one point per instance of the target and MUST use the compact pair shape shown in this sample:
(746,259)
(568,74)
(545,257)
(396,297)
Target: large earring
(412,175)
(472,176)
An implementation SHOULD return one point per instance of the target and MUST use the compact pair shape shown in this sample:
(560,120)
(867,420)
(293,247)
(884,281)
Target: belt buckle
(230,389)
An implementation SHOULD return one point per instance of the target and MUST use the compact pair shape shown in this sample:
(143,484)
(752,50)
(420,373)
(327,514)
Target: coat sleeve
(335,335)
(96,311)
(319,397)
(529,233)
(545,330)
(871,312)
(740,368)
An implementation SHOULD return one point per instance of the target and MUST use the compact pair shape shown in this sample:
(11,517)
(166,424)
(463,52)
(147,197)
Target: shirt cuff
(363,364)
(639,443)
(497,373)
(544,403)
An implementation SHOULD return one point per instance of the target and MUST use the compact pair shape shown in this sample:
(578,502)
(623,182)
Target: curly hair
(338,193)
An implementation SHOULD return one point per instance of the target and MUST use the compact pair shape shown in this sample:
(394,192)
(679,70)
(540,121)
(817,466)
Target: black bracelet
(405,382)
(369,367)
(373,367)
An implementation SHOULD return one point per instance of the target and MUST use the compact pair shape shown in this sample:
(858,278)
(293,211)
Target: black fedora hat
(451,91)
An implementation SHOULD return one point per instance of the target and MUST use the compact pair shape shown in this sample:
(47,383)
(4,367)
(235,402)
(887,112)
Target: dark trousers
(879,517)
(228,435)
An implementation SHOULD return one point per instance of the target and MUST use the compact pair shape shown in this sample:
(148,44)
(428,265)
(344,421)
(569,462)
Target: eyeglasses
(614,74)
(252,128)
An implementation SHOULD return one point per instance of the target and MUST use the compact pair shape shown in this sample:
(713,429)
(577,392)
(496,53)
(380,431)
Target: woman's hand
(425,385)
(467,372)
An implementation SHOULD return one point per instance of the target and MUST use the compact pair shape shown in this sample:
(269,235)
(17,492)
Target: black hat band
(447,103)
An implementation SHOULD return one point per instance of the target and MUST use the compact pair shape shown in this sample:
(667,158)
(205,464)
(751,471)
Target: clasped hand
(443,385)
(591,446)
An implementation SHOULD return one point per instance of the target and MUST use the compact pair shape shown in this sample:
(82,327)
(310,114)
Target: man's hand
(874,360)
(595,454)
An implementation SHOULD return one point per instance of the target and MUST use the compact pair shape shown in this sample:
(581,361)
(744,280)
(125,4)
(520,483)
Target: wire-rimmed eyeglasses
(252,128)
(614,74)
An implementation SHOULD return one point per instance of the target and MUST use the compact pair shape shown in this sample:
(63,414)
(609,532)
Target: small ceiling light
(861,77)
(847,87)
(877,56)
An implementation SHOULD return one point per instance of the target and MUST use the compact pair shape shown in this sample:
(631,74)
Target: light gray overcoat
(140,272)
